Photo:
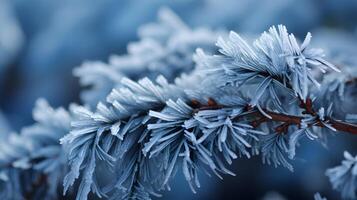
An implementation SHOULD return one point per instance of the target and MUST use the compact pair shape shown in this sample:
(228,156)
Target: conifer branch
(286,119)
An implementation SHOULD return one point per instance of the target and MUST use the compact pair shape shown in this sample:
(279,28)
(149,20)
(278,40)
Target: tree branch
(296,120)
(286,119)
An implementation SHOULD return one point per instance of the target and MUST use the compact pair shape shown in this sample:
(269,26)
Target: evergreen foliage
(166,107)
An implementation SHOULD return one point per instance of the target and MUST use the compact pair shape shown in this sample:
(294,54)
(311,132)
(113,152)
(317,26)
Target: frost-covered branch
(32,163)
(233,104)
(161,109)
(265,115)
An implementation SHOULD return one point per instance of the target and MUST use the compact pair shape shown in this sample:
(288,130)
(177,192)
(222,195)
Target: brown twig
(307,106)
(285,119)
(211,105)
(296,120)
(256,123)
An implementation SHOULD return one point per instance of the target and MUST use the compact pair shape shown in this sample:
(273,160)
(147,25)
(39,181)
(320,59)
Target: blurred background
(41,41)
